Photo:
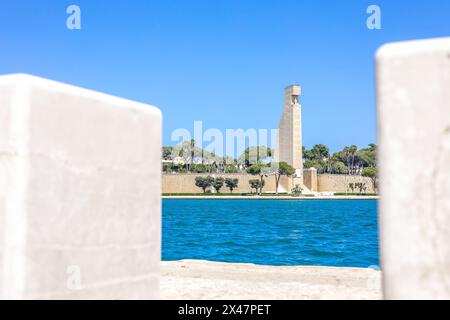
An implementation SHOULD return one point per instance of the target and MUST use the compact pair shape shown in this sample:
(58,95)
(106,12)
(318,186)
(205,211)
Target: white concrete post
(414,136)
(80,185)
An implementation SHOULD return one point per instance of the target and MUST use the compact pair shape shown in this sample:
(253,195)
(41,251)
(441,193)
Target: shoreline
(207,280)
(270,198)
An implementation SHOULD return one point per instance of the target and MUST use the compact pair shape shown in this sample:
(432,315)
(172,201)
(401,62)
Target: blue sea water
(272,232)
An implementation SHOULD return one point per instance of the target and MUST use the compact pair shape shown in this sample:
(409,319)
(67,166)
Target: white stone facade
(414,156)
(80,208)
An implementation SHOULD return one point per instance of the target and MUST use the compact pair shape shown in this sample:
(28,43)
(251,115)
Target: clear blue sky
(223,62)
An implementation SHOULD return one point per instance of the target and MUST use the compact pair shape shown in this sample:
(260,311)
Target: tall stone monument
(289,147)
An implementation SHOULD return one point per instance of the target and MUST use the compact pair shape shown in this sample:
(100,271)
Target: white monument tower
(289,147)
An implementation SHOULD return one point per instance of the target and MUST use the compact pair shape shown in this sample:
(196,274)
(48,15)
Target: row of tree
(261,170)
(189,158)
(217,183)
(274,169)
(350,160)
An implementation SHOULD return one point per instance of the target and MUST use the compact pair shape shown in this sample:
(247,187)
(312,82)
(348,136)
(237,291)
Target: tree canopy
(349,160)
(204,182)
(255,155)
(189,157)
(231,183)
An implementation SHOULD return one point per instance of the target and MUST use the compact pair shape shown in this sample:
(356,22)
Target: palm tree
(350,153)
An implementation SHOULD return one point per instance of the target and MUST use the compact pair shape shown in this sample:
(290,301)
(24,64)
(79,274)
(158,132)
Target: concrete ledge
(204,280)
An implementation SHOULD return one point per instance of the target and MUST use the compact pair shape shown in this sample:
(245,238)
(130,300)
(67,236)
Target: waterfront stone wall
(340,183)
(185,183)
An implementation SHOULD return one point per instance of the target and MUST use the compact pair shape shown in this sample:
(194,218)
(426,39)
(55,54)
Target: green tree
(204,182)
(338,167)
(167,167)
(231,183)
(348,156)
(254,155)
(256,184)
(259,170)
(281,169)
(230,168)
(167,153)
(320,165)
(199,168)
(320,152)
(307,154)
(353,151)
(218,184)
(371,173)
(368,156)
(181,168)
(355,159)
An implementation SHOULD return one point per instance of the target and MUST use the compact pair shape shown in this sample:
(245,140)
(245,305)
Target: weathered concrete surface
(185,183)
(214,280)
(341,183)
(414,137)
(80,213)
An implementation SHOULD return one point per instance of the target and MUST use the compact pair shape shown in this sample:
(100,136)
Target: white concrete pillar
(80,185)
(414,136)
